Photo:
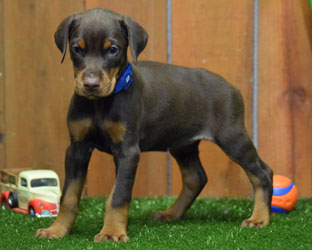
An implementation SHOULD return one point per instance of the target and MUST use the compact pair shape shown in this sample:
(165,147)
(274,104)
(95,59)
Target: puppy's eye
(113,50)
(76,49)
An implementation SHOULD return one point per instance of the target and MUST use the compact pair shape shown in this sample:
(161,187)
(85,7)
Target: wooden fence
(35,89)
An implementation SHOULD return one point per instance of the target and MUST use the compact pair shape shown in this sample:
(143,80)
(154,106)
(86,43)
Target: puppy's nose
(91,82)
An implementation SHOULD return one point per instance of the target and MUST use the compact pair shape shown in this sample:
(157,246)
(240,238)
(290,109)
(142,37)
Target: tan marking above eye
(81,43)
(116,130)
(79,129)
(107,44)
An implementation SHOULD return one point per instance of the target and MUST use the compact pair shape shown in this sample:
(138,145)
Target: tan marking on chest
(116,130)
(79,129)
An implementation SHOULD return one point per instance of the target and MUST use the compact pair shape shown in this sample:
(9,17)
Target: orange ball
(285,195)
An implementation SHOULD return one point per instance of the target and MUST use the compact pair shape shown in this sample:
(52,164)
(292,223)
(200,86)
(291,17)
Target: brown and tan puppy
(125,109)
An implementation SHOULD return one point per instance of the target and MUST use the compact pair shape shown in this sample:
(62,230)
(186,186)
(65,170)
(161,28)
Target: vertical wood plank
(2,87)
(39,88)
(285,76)
(151,178)
(216,35)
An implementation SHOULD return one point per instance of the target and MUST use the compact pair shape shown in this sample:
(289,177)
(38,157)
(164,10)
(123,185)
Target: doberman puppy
(126,108)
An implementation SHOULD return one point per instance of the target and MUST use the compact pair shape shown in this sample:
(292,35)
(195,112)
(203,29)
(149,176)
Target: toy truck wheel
(3,203)
(32,212)
(13,202)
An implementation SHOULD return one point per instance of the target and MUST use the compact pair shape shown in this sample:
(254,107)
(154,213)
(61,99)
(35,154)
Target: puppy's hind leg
(237,144)
(193,177)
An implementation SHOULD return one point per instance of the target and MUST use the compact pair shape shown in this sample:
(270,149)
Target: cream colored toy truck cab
(36,192)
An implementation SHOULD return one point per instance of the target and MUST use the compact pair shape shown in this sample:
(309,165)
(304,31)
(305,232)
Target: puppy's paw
(51,233)
(116,237)
(257,223)
(164,216)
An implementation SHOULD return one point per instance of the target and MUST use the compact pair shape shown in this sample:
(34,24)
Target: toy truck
(33,192)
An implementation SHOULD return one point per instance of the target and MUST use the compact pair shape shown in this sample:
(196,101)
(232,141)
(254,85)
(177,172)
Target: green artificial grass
(209,224)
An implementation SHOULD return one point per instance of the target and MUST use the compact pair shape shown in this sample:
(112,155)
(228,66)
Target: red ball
(285,195)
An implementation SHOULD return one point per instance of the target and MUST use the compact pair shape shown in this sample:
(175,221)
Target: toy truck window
(23,182)
(4,178)
(12,180)
(44,182)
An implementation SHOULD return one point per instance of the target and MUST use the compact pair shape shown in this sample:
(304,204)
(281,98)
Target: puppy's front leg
(76,165)
(117,205)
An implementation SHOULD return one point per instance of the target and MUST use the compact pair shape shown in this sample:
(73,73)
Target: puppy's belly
(171,138)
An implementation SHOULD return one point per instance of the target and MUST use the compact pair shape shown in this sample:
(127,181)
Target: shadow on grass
(204,212)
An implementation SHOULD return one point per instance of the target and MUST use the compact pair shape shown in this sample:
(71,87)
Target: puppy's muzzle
(91,82)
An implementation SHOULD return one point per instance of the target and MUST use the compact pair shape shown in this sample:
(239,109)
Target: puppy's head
(98,40)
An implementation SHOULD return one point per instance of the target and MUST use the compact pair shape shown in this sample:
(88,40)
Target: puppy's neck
(125,79)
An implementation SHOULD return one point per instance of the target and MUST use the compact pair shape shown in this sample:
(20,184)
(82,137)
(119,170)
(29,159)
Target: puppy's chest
(97,130)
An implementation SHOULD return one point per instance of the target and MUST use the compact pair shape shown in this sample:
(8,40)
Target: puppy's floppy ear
(137,36)
(61,35)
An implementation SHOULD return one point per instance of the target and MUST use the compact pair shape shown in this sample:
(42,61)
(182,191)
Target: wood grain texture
(35,89)
(216,35)
(2,88)
(151,178)
(285,76)
(38,88)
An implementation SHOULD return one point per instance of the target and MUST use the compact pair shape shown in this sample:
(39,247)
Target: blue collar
(124,80)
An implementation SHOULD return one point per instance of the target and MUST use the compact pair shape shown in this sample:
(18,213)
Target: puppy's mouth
(95,85)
